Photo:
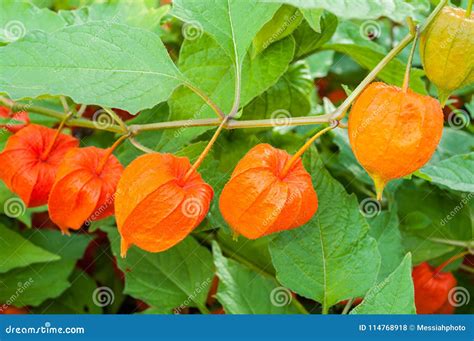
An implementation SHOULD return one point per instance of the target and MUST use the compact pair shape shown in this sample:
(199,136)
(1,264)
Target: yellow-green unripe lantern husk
(447,50)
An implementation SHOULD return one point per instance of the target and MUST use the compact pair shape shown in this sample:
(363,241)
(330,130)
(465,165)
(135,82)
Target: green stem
(466,268)
(457,243)
(116,118)
(325,309)
(348,306)
(469,9)
(406,80)
(206,99)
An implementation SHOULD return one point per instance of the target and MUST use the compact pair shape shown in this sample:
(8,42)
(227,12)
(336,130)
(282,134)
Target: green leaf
(368,54)
(90,64)
(283,23)
(206,64)
(427,213)
(308,40)
(254,252)
(17,252)
(33,284)
(313,17)
(450,146)
(17,18)
(393,295)
(332,257)
(243,291)
(346,160)
(320,63)
(178,277)
(456,172)
(290,96)
(78,299)
(397,10)
(232,23)
(384,229)
(132,12)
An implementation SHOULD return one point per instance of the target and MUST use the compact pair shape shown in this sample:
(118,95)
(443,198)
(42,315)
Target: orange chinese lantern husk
(155,206)
(260,199)
(432,290)
(17,120)
(85,186)
(29,165)
(393,133)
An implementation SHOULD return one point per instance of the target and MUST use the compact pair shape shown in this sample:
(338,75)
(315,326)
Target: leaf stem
(308,144)
(348,306)
(236,105)
(117,119)
(406,80)
(206,99)
(206,150)
(449,261)
(109,152)
(48,149)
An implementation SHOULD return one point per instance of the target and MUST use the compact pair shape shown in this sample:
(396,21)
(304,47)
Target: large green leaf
(384,228)
(178,277)
(17,252)
(243,291)
(332,257)
(393,295)
(450,146)
(308,40)
(132,12)
(456,172)
(283,23)
(397,10)
(254,252)
(290,96)
(90,64)
(232,23)
(206,64)
(81,298)
(17,18)
(33,284)
(427,213)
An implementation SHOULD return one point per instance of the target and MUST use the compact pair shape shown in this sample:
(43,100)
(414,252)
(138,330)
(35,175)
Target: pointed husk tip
(379,186)
(124,246)
(443,96)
